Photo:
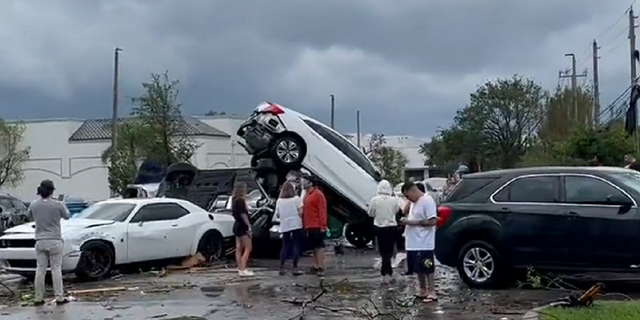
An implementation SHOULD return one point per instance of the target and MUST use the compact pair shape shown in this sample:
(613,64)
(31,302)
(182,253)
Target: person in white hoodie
(384,208)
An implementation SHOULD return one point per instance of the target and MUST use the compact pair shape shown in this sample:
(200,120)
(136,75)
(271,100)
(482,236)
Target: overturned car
(282,141)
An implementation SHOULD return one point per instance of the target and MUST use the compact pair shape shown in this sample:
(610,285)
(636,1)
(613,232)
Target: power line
(617,46)
(617,21)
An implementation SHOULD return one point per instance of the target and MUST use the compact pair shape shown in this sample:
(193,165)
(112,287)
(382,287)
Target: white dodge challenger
(119,232)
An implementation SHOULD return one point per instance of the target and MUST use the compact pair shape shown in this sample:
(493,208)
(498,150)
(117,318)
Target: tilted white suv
(280,140)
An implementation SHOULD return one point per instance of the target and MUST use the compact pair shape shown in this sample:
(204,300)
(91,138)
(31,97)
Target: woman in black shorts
(241,228)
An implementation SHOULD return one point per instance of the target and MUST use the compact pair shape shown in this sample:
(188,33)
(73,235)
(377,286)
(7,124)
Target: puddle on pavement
(222,294)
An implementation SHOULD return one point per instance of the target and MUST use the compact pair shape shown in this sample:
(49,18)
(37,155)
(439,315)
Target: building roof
(100,129)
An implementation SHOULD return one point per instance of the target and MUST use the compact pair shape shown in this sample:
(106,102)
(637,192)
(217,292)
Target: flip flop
(417,296)
(430,299)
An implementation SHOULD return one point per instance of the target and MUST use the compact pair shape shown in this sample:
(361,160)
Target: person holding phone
(420,233)
(47,213)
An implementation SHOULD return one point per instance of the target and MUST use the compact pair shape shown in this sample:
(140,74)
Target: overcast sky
(407,65)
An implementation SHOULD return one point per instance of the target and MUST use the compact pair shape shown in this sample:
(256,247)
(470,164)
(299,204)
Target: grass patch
(600,310)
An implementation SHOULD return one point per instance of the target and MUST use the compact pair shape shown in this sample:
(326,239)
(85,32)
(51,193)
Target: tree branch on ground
(369,311)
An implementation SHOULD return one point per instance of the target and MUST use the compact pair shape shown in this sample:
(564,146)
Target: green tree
(12,154)
(390,162)
(132,149)
(560,114)
(495,129)
(159,112)
(154,132)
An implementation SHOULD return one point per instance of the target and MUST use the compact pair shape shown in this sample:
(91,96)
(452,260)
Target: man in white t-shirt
(420,232)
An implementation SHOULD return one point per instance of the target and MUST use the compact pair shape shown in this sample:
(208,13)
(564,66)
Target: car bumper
(445,250)
(23,260)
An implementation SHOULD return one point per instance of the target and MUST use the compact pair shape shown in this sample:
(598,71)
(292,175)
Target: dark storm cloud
(406,65)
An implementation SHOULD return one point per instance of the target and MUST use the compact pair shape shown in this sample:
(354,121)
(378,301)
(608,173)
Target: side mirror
(1,209)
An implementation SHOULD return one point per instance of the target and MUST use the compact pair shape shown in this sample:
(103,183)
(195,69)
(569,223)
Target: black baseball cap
(47,184)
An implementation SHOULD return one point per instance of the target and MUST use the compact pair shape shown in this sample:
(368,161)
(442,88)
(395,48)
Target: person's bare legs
(422,285)
(431,278)
(246,244)
(239,250)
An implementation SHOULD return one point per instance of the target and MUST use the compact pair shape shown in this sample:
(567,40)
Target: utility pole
(358,128)
(574,83)
(333,111)
(632,45)
(596,85)
(114,115)
(634,76)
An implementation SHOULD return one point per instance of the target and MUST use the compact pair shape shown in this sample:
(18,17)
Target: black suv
(12,212)
(561,219)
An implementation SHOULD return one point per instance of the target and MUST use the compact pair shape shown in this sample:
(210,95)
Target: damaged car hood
(67,226)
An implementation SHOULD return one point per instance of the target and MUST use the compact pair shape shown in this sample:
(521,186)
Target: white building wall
(233,154)
(76,168)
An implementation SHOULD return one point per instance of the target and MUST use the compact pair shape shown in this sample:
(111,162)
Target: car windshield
(107,211)
(630,179)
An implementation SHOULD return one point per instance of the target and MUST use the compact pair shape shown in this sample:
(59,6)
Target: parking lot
(351,288)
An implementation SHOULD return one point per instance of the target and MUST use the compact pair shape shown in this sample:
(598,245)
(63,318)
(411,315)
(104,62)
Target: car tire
(89,269)
(358,235)
(488,272)
(288,151)
(210,246)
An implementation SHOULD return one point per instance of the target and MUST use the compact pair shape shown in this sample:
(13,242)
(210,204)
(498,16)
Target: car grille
(31,264)
(18,243)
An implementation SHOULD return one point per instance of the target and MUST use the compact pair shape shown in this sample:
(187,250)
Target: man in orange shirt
(314,221)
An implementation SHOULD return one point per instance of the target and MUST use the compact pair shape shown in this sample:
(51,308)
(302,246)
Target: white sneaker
(246,273)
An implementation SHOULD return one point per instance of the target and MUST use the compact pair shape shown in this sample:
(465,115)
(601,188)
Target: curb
(534,313)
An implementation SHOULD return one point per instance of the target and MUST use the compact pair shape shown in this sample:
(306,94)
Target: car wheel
(96,261)
(210,246)
(288,151)
(479,265)
(358,235)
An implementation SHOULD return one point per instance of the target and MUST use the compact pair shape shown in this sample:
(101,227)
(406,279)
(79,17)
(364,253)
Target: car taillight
(273,109)
(444,213)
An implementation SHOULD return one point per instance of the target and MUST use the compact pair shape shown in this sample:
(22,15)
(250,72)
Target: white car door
(338,162)
(156,232)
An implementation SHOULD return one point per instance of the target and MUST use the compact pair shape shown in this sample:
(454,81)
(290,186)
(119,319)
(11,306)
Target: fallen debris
(194,261)
(585,299)
(97,290)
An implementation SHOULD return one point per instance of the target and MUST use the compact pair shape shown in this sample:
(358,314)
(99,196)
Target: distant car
(12,212)
(281,140)
(124,231)
(561,219)
(429,186)
(75,205)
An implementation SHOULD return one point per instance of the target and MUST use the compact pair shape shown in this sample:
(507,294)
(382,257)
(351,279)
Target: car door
(340,164)
(153,232)
(601,233)
(533,225)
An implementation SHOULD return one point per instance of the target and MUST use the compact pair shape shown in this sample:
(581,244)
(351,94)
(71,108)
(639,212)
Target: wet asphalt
(352,290)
